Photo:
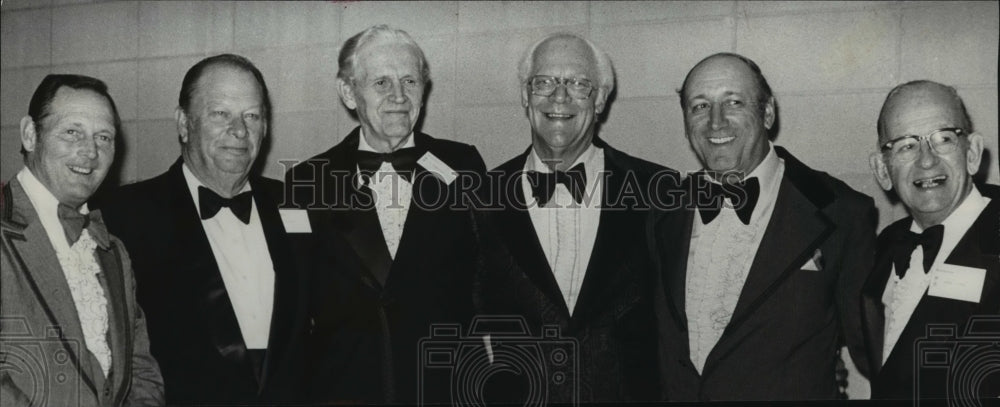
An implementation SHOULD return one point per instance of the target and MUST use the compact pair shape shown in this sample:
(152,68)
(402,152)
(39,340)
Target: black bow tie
(404,161)
(543,184)
(210,203)
(742,195)
(930,240)
(74,222)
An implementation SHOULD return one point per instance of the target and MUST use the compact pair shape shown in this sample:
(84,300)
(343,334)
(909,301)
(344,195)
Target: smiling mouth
(721,140)
(559,116)
(81,170)
(931,182)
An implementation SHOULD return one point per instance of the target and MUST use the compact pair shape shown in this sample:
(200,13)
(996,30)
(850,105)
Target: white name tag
(295,220)
(437,167)
(957,283)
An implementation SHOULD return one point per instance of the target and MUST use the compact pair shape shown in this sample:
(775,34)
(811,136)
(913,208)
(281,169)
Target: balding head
(918,101)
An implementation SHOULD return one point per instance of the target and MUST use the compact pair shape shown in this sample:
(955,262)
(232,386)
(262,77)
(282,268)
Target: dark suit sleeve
(859,258)
(147,383)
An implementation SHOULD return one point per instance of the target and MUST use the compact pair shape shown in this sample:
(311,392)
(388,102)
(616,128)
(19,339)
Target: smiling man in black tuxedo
(386,224)
(757,295)
(571,213)
(941,264)
(223,295)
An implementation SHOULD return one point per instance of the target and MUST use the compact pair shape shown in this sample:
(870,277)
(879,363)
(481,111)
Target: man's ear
(182,124)
(769,113)
(974,154)
(346,94)
(29,138)
(602,100)
(877,164)
(525,95)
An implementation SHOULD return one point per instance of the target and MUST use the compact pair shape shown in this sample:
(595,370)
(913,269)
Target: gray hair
(347,60)
(605,70)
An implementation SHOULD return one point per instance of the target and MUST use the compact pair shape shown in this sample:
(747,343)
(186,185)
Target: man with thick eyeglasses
(758,284)
(571,212)
(940,265)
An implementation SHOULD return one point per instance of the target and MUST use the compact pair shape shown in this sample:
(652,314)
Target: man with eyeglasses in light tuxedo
(571,213)
(939,265)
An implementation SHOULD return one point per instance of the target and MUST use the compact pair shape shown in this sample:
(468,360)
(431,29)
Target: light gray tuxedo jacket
(44,360)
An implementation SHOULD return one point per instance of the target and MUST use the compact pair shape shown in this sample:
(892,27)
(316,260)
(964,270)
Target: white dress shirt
(901,296)
(392,194)
(567,230)
(244,261)
(720,257)
(79,266)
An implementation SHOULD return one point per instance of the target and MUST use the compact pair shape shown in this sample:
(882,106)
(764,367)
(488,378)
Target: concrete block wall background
(829,63)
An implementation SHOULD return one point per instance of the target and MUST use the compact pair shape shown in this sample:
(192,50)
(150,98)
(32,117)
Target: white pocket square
(815,263)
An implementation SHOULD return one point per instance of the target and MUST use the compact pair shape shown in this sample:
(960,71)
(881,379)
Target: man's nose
(928,157)
(238,127)
(398,95)
(717,118)
(88,148)
(560,94)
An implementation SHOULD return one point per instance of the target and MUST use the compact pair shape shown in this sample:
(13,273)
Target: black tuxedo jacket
(193,329)
(613,318)
(978,248)
(369,309)
(783,339)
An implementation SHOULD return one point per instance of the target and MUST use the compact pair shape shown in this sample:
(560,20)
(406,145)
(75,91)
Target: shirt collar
(40,196)
(193,183)
(364,146)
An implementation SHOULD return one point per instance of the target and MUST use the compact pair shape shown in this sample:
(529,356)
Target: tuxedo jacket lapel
(37,259)
(189,237)
(608,254)
(796,229)
(281,259)
(976,249)
(514,224)
(871,301)
(355,217)
(675,228)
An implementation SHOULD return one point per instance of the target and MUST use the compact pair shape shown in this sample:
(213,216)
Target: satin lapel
(35,256)
(674,233)
(119,327)
(871,302)
(281,259)
(514,224)
(607,256)
(356,218)
(977,249)
(428,192)
(203,270)
(794,232)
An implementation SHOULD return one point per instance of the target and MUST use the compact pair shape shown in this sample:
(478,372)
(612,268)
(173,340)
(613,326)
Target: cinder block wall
(830,64)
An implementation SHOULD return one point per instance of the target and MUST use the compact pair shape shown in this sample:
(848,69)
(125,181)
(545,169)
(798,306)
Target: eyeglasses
(941,141)
(542,85)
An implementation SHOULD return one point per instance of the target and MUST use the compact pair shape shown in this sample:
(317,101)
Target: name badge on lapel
(435,166)
(295,220)
(957,283)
